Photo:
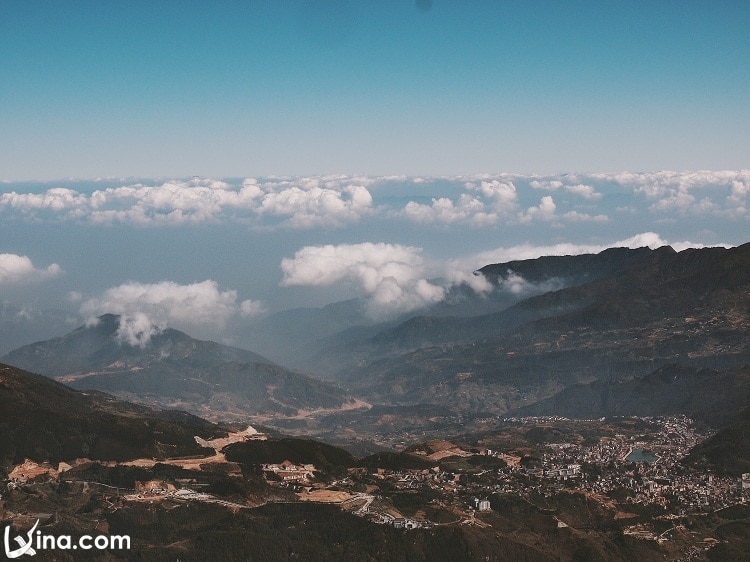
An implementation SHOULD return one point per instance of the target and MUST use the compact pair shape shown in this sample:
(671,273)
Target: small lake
(641,455)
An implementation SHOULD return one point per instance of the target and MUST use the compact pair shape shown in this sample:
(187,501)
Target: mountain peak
(175,369)
(129,330)
(107,324)
(120,339)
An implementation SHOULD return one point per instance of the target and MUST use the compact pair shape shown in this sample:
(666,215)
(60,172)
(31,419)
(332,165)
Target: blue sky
(206,164)
(176,89)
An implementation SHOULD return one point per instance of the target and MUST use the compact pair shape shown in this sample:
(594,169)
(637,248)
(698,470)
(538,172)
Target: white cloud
(674,201)
(740,191)
(545,211)
(394,277)
(655,182)
(475,280)
(494,200)
(502,194)
(56,199)
(585,191)
(15,269)
(467,209)
(575,216)
(340,200)
(369,263)
(75,296)
(194,306)
(250,308)
(725,192)
(550,185)
(517,285)
(298,203)
(391,275)
(137,329)
(317,206)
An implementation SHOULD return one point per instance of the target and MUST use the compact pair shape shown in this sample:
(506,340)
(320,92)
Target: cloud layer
(236,231)
(340,200)
(297,203)
(722,193)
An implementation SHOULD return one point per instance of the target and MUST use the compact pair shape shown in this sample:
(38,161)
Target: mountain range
(601,337)
(672,389)
(579,336)
(637,311)
(173,370)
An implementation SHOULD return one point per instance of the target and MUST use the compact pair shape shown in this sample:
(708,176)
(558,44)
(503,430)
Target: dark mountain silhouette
(43,420)
(645,309)
(570,270)
(175,370)
(97,347)
(728,452)
(509,306)
(251,454)
(672,389)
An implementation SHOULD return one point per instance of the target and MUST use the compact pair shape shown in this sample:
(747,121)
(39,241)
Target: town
(631,468)
(640,468)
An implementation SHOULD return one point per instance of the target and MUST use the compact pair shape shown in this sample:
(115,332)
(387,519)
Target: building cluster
(643,467)
(638,466)
(288,471)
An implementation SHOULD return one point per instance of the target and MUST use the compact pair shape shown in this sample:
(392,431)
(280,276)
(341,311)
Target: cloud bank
(298,203)
(489,200)
(335,201)
(718,193)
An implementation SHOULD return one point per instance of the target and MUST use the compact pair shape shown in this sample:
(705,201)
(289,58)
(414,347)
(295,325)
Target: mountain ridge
(690,307)
(44,420)
(175,370)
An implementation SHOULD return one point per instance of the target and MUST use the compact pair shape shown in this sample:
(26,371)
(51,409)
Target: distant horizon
(357,173)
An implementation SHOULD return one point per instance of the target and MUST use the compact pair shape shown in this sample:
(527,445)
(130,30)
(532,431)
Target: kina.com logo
(36,541)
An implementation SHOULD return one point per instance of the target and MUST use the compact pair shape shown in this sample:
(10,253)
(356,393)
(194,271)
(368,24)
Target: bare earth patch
(324,496)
